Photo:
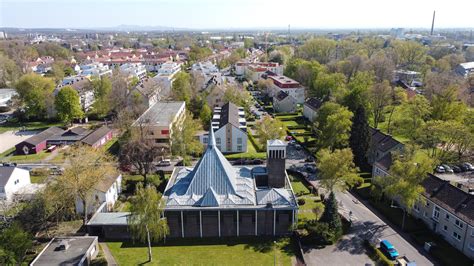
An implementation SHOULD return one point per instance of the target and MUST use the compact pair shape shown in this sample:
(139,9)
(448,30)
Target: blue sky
(228,14)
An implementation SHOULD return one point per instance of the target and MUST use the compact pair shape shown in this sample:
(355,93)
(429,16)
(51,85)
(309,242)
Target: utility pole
(432,23)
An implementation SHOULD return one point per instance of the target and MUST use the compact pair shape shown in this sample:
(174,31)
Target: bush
(320,234)
(301,201)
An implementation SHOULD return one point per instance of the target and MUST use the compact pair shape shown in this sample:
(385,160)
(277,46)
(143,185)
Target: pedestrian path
(108,255)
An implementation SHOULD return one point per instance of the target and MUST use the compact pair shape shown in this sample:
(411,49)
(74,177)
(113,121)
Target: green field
(225,251)
(28,158)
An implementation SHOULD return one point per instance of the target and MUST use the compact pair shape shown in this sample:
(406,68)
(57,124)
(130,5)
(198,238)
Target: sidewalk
(108,255)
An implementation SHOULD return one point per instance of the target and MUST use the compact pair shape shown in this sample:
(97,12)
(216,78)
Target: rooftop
(160,114)
(109,218)
(44,135)
(53,255)
(467,65)
(96,135)
(313,103)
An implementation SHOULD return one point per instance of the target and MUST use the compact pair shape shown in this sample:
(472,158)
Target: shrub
(376,255)
(319,233)
(301,201)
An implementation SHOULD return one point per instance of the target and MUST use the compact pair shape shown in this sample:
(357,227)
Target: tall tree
(183,138)
(331,216)
(359,87)
(205,115)
(146,217)
(182,89)
(333,125)
(337,169)
(359,141)
(33,91)
(405,176)
(380,96)
(86,168)
(319,49)
(409,54)
(68,105)
(269,128)
(102,88)
(9,71)
(414,113)
(141,154)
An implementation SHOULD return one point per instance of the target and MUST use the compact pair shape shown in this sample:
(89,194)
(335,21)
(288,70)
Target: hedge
(376,255)
(257,147)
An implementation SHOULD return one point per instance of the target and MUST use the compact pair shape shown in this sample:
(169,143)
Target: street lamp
(404,213)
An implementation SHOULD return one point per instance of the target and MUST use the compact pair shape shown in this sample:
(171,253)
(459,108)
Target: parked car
(288,138)
(469,166)
(239,162)
(165,162)
(309,159)
(447,168)
(456,169)
(257,161)
(389,249)
(440,169)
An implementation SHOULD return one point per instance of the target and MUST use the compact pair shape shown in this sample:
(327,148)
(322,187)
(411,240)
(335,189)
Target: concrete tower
(276,158)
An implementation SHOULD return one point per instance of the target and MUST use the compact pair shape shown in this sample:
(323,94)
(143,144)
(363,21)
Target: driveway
(11,138)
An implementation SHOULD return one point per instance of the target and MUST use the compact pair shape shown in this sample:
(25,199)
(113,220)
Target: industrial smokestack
(432,23)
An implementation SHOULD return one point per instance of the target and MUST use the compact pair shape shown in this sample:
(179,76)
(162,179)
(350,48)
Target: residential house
(150,92)
(284,103)
(215,97)
(12,180)
(158,121)
(256,69)
(106,191)
(230,128)
(75,250)
(381,144)
(133,70)
(311,108)
(449,212)
(465,69)
(232,201)
(38,142)
(166,74)
(289,86)
(98,137)
(95,69)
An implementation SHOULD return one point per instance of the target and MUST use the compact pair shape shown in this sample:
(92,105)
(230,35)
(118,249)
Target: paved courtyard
(9,139)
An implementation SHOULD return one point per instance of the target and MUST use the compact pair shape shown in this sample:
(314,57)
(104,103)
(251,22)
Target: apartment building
(289,86)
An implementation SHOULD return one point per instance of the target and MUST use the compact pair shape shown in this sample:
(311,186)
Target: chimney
(432,23)
(276,159)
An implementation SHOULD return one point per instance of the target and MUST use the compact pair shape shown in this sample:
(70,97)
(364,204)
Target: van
(388,249)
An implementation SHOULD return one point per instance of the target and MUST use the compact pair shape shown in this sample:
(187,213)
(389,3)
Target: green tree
(181,89)
(183,139)
(359,141)
(380,96)
(329,86)
(410,54)
(146,217)
(269,128)
(68,105)
(337,169)
(303,71)
(15,241)
(359,87)
(446,106)
(33,91)
(205,115)
(333,125)
(332,218)
(102,88)
(414,113)
(319,49)
(405,176)
(239,97)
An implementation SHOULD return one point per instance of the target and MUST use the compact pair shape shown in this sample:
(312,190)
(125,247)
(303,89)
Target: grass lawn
(7,152)
(226,251)
(306,211)
(29,158)
(38,179)
(250,154)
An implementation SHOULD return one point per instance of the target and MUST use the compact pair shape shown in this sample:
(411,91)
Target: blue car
(388,248)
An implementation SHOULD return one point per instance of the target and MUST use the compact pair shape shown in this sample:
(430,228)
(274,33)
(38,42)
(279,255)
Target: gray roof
(109,218)
(5,173)
(78,246)
(229,114)
(44,135)
(214,182)
(160,114)
(96,135)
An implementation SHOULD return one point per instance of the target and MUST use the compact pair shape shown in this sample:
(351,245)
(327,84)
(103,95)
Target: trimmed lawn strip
(212,251)
(30,157)
(28,125)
